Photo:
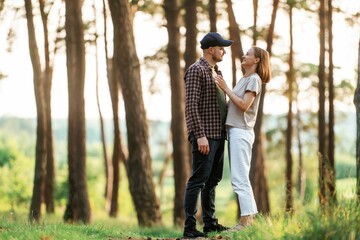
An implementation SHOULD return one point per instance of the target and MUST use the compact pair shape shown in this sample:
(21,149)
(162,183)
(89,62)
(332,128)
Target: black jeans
(206,173)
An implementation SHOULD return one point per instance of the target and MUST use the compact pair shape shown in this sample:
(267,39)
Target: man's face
(217,53)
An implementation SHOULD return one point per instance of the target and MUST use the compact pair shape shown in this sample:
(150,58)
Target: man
(205,113)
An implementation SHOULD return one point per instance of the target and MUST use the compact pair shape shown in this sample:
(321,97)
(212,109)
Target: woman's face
(249,58)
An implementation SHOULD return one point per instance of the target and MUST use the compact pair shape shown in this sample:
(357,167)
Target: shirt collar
(204,62)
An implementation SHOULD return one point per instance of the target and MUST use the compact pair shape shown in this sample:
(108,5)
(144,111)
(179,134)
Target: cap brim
(226,43)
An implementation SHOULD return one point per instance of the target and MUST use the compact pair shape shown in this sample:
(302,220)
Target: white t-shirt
(235,116)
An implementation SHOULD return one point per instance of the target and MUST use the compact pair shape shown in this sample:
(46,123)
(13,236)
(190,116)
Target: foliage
(16,167)
(6,154)
(345,170)
(16,180)
(61,185)
(25,136)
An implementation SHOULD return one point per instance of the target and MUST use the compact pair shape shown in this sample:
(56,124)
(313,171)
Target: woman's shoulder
(255,76)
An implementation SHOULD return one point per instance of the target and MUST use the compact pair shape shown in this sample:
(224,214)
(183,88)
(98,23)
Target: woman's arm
(243,104)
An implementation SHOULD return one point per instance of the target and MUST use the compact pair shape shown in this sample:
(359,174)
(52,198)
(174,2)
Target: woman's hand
(243,104)
(220,82)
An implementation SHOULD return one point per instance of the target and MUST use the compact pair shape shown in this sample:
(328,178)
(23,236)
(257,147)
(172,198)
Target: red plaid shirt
(202,110)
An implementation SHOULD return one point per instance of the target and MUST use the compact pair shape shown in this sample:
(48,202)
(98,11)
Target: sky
(17,92)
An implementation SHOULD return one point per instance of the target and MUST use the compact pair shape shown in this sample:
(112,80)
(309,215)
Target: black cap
(213,39)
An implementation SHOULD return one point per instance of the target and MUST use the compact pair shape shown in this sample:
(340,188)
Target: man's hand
(203,145)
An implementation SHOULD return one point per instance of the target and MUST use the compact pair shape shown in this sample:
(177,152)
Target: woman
(241,117)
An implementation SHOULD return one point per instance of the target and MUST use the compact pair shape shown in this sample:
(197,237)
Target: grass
(47,231)
(341,222)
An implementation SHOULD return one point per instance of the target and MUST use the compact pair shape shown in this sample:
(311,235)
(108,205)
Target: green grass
(10,229)
(341,222)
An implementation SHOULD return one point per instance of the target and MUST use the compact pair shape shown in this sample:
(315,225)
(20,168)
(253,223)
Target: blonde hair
(263,66)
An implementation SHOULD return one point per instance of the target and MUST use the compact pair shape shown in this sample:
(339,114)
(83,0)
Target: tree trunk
(190,55)
(301,178)
(190,20)
(78,206)
(331,147)
(178,127)
(107,162)
(118,154)
(357,107)
(212,15)
(289,131)
(2,5)
(270,35)
(49,183)
(258,178)
(236,48)
(257,170)
(41,134)
(255,32)
(321,113)
(138,166)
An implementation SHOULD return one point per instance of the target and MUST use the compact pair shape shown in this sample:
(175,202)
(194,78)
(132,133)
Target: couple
(208,118)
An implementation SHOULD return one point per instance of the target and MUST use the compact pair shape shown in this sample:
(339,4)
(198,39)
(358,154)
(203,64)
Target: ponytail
(263,67)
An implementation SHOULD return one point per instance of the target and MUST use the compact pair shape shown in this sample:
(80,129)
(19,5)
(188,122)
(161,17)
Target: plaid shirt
(202,110)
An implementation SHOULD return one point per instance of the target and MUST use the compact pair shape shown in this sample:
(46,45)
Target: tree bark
(190,20)
(78,206)
(178,127)
(236,48)
(289,130)
(49,183)
(321,113)
(2,5)
(270,35)
(301,178)
(107,163)
(138,165)
(212,15)
(357,107)
(257,171)
(41,130)
(118,154)
(190,55)
(255,32)
(331,147)
(301,173)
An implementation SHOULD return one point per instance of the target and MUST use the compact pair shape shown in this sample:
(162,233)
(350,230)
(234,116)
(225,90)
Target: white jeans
(240,146)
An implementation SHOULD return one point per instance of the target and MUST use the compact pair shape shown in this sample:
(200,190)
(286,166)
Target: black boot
(214,227)
(193,233)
